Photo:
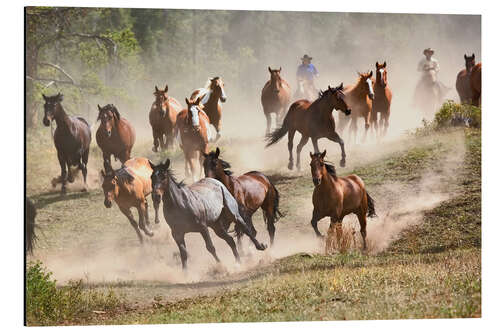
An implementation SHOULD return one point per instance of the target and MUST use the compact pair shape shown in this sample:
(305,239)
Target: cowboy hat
(306,57)
(428,50)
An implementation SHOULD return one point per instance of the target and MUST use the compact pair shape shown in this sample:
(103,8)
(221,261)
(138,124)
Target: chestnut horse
(275,97)
(197,207)
(381,101)
(72,138)
(475,84)
(162,117)
(128,187)
(359,97)
(337,197)
(192,125)
(463,80)
(313,120)
(210,95)
(252,190)
(115,136)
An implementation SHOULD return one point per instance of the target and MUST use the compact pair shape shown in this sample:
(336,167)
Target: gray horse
(194,208)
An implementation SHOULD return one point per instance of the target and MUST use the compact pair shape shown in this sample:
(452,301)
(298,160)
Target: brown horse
(313,120)
(475,84)
(210,95)
(193,127)
(359,97)
(128,187)
(381,101)
(252,190)
(72,138)
(162,117)
(275,97)
(337,197)
(115,136)
(463,80)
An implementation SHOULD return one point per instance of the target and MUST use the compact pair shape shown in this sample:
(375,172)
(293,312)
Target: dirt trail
(142,273)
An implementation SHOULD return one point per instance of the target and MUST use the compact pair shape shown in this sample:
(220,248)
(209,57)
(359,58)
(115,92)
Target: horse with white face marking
(381,101)
(359,97)
(212,95)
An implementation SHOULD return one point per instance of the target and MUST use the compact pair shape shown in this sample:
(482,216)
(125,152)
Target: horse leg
(315,145)
(201,159)
(208,242)
(156,204)
(71,177)
(128,214)
(181,244)
(353,129)
(374,124)
(62,163)
(367,126)
(163,141)
(222,233)
(156,140)
(335,137)
(268,121)
(83,167)
(362,223)
(269,219)
(301,144)
(386,123)
(142,209)
(314,222)
(291,135)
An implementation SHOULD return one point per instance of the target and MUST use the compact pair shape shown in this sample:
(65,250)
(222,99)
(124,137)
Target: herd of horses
(220,198)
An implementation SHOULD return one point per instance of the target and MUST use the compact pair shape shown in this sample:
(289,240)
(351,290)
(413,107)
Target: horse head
(194,107)
(338,99)
(161,99)
(109,116)
(317,165)
(214,166)
(381,74)
(109,185)
(52,104)
(469,62)
(217,88)
(275,79)
(158,176)
(366,80)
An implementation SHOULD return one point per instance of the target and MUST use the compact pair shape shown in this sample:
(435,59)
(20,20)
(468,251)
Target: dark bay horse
(475,84)
(463,80)
(211,95)
(359,97)
(381,101)
(193,127)
(162,117)
(115,136)
(252,190)
(275,97)
(337,197)
(313,120)
(128,187)
(72,138)
(195,208)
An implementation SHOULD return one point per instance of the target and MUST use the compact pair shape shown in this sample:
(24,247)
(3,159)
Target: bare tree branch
(51,81)
(59,69)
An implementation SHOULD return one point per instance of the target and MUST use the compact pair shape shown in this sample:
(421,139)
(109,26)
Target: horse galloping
(195,208)
(211,95)
(72,139)
(381,101)
(252,190)
(162,117)
(337,197)
(275,97)
(359,97)
(463,84)
(193,127)
(313,120)
(128,187)
(475,84)
(115,135)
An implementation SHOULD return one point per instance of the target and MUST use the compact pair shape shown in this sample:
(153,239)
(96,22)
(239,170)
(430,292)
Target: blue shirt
(307,72)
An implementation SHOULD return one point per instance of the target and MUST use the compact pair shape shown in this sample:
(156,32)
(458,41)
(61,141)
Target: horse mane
(124,176)
(330,168)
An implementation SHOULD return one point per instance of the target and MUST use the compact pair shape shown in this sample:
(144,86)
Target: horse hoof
(262,247)
(290,166)
(63,191)
(85,189)
(342,163)
(154,149)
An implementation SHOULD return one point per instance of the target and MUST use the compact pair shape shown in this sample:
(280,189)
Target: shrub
(452,113)
(47,304)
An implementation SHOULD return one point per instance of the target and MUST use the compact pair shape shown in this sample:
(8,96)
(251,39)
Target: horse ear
(371,73)
(187,101)
(167,163)
(151,164)
(311,154)
(280,69)
(473,56)
(465,56)
(217,152)
(156,89)
(166,87)
(385,64)
(376,64)
(341,87)
(269,69)
(323,154)
(198,100)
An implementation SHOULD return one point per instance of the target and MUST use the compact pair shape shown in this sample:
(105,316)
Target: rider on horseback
(429,67)
(306,73)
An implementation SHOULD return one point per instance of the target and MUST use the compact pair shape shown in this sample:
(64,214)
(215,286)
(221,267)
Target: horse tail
(371,206)
(276,212)
(279,132)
